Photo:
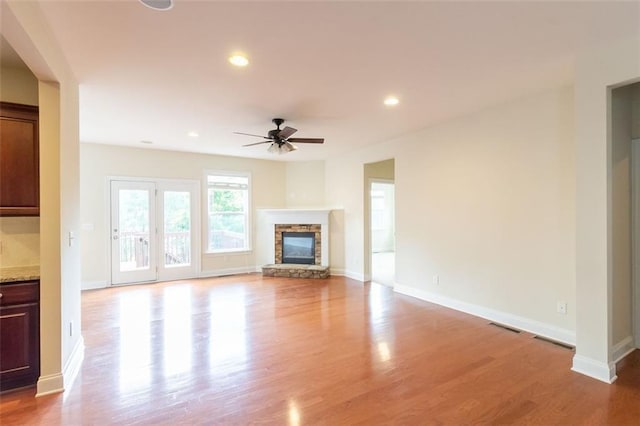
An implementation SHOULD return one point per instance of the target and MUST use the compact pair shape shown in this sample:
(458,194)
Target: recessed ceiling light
(239,60)
(193,134)
(147,142)
(391,101)
(158,4)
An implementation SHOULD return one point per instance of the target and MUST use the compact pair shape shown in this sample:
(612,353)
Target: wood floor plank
(254,350)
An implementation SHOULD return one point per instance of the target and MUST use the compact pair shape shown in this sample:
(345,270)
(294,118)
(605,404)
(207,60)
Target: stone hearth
(290,270)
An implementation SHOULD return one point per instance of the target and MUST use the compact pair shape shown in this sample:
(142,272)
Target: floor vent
(554,342)
(506,327)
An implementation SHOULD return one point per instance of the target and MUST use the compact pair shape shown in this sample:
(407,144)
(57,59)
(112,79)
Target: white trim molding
(94,285)
(594,369)
(230,271)
(516,321)
(635,240)
(51,383)
(73,364)
(622,349)
(59,382)
(355,276)
(339,272)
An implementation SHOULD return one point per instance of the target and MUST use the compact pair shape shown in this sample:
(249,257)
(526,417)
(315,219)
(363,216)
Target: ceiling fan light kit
(274,148)
(158,4)
(280,140)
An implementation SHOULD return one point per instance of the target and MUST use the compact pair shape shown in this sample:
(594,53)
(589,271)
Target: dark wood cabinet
(19,334)
(19,160)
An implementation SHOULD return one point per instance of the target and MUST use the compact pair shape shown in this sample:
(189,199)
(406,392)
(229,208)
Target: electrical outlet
(561,307)
(436,279)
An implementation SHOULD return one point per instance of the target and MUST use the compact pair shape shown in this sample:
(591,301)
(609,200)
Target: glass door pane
(134,229)
(177,228)
(133,232)
(179,232)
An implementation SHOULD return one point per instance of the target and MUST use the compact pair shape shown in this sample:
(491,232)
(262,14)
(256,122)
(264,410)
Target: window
(378,209)
(228,212)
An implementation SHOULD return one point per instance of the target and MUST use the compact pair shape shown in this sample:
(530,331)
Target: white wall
(305,184)
(98,162)
(24,27)
(486,202)
(345,189)
(596,70)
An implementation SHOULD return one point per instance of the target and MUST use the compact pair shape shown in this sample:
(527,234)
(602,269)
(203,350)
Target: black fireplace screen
(299,247)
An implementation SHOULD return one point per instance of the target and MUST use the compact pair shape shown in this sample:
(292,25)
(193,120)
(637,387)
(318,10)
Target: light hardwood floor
(247,349)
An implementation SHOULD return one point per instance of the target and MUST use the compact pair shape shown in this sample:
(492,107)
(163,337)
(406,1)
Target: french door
(153,231)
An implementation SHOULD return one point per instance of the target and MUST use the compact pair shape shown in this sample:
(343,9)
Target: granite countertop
(19,273)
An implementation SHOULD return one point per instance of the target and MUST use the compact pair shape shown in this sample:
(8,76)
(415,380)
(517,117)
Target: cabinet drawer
(18,293)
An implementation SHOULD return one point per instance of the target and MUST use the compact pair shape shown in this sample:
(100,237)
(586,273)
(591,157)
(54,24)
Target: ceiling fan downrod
(278,122)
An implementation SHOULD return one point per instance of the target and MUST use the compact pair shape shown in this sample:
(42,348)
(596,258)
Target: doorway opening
(624,140)
(635,241)
(154,230)
(383,247)
(379,201)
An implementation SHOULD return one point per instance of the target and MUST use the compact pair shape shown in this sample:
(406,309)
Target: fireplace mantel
(298,217)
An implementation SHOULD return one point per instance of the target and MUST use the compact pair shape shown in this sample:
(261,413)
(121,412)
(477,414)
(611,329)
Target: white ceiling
(324,66)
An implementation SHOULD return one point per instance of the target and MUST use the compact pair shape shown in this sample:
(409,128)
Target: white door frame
(161,183)
(635,239)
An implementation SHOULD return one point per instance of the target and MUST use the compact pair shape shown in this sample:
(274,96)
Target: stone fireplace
(304,243)
(300,243)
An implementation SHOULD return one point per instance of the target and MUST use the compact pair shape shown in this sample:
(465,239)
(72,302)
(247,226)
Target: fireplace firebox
(299,247)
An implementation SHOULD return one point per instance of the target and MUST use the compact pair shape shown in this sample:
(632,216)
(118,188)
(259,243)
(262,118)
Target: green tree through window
(228,207)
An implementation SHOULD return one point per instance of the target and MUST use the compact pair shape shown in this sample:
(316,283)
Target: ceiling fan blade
(286,132)
(257,143)
(306,140)
(249,134)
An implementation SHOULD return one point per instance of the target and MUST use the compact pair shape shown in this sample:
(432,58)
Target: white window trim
(205,204)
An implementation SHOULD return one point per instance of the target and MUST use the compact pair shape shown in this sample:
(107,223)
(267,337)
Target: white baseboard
(52,383)
(622,348)
(595,369)
(230,271)
(93,285)
(73,364)
(355,276)
(516,321)
(59,382)
(339,272)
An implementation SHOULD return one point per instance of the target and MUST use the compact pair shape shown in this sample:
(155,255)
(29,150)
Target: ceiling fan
(281,140)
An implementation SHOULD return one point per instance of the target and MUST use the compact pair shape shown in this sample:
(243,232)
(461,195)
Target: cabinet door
(19,160)
(19,348)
